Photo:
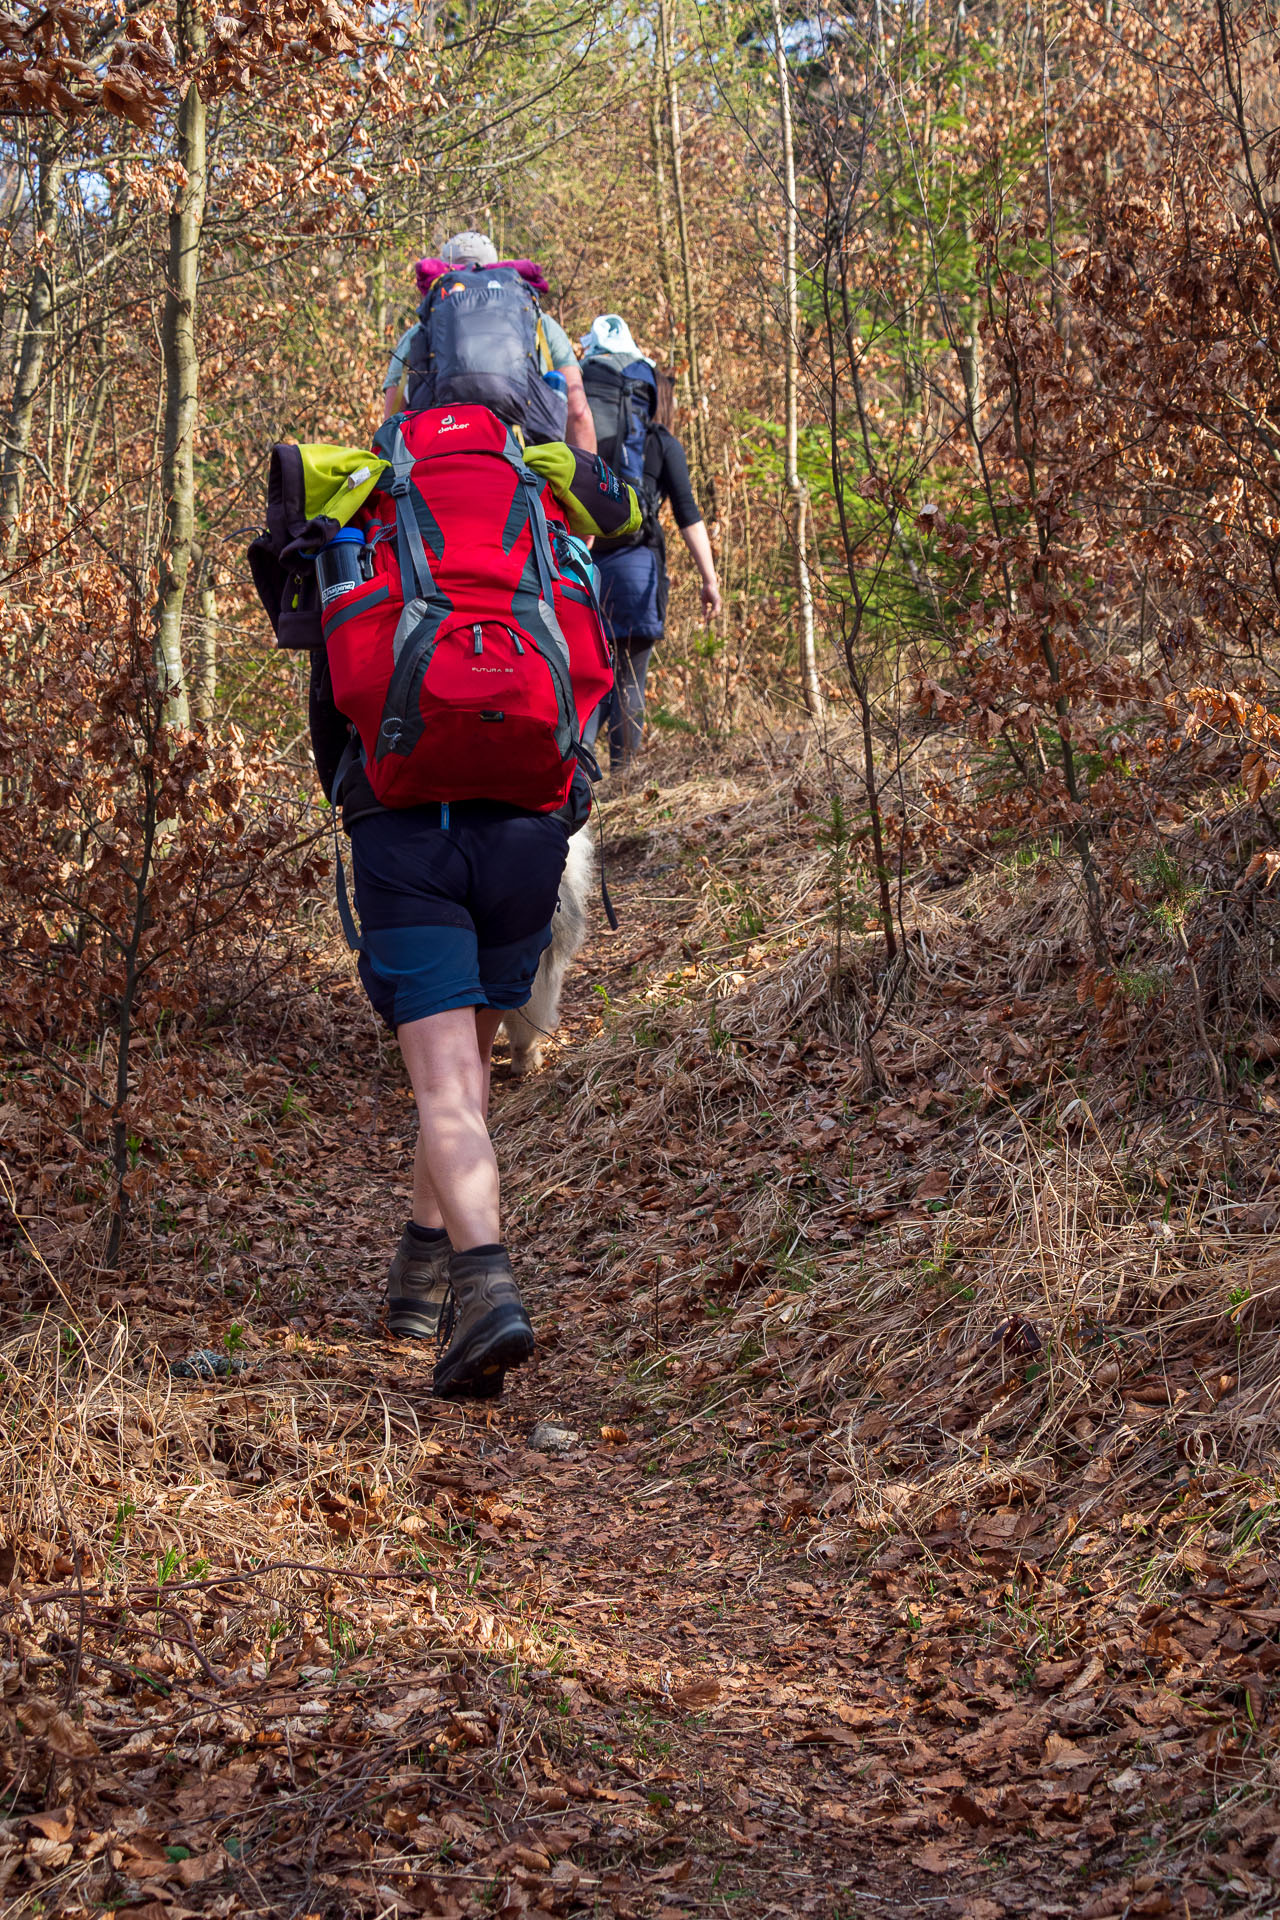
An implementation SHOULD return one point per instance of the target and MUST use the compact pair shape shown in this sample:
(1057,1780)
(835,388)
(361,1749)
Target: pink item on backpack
(428,271)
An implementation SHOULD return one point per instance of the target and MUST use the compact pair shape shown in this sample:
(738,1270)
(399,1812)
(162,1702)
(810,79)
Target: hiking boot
(485,1325)
(417,1284)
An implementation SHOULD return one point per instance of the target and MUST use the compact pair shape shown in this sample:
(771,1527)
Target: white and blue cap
(610,334)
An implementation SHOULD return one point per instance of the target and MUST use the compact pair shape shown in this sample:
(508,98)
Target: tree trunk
(84,463)
(204,663)
(34,339)
(379,289)
(181,383)
(795,485)
(705,484)
(662,213)
(969,354)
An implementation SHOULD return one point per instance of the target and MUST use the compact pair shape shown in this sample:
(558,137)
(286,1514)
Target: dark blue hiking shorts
(455,905)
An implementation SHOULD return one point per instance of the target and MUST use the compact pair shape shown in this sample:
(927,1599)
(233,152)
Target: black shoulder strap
(653,452)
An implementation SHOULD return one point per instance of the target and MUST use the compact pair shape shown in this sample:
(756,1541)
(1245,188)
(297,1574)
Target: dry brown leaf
(864,1717)
(675,1871)
(936,1184)
(1094,1670)
(931,1859)
(54,1826)
(201,1866)
(1064,1754)
(696,1693)
(516,1853)
(838,1736)
(143,1858)
(56,1728)
(48,1854)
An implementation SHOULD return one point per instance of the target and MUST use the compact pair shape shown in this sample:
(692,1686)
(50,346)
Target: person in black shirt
(634,584)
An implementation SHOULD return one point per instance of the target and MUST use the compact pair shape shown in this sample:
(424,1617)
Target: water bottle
(557,382)
(340,565)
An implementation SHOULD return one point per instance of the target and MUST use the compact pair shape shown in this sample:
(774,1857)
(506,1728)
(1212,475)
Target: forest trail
(899,1215)
(346,1649)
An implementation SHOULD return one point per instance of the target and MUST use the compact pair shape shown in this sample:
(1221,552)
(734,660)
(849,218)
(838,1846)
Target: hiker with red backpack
(444,585)
(480,316)
(632,404)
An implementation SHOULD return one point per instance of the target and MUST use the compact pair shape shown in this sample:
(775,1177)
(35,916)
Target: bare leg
(455,1174)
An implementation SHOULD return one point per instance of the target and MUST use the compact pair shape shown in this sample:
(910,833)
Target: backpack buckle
(587,761)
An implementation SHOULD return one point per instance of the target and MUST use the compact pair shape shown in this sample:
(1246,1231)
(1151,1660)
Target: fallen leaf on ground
(696,1693)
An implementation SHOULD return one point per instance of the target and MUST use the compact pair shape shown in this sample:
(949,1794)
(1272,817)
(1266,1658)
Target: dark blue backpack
(622,399)
(623,395)
(477,344)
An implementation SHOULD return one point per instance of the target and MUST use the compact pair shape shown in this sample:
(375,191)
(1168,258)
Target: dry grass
(1069,1321)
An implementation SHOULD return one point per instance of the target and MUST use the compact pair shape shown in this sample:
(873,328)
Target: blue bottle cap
(346,536)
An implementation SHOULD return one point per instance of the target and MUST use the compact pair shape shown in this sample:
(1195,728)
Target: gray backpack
(477,344)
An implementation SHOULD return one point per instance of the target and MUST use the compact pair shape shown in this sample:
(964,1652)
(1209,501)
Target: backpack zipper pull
(519,644)
(478,631)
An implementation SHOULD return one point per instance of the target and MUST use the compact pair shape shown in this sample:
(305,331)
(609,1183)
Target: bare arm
(695,538)
(581,430)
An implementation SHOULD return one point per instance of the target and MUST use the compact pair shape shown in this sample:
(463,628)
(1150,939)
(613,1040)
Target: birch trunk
(791,297)
(181,384)
(37,325)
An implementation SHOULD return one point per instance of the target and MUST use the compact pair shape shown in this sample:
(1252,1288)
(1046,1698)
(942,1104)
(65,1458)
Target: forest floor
(912,1546)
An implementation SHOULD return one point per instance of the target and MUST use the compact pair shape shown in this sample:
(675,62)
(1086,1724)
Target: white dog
(531,1026)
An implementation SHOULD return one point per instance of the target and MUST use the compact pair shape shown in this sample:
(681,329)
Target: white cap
(470,249)
(610,334)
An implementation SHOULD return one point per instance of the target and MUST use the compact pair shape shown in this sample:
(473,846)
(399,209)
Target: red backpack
(473,656)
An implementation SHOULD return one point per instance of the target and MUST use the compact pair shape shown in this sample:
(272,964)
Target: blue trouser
(624,707)
(455,905)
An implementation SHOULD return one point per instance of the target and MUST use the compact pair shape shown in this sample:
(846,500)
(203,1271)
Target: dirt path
(302,1641)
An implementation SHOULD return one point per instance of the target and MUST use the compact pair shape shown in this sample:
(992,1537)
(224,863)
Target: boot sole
(406,1324)
(504,1339)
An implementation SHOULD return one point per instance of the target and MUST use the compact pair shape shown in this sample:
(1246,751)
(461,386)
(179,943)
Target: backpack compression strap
(425,608)
(415,572)
(350,931)
(568,736)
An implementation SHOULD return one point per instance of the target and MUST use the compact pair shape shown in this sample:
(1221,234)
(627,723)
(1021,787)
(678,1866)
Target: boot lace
(448,1315)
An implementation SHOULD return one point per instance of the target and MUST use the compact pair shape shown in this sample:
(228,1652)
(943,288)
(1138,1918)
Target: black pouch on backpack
(546,411)
(282,560)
